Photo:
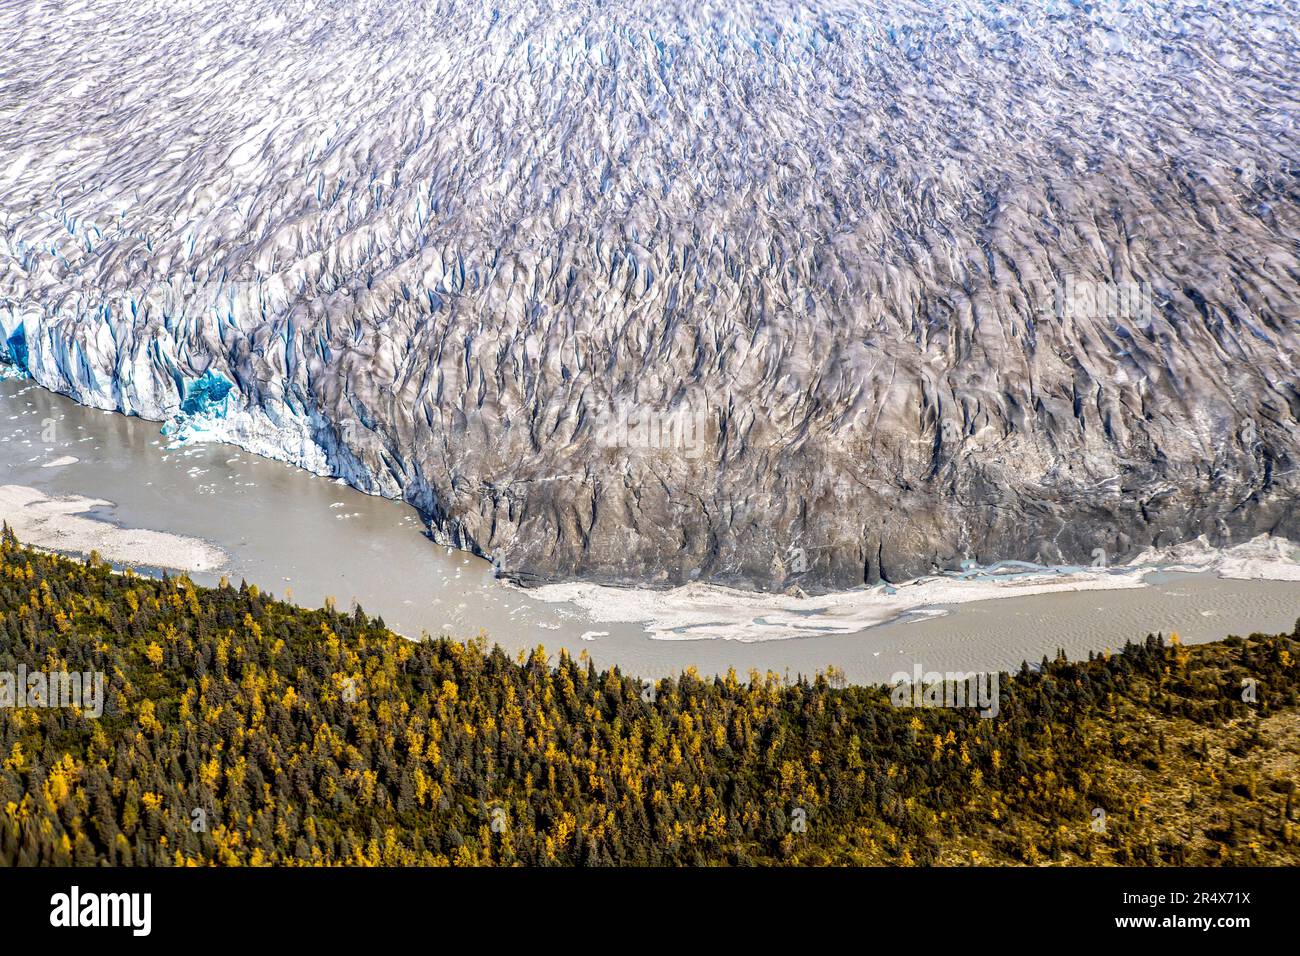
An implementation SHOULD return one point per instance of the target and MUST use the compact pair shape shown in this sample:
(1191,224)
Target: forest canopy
(239,729)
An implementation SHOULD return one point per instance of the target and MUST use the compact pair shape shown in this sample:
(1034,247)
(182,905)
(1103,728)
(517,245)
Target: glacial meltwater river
(307,537)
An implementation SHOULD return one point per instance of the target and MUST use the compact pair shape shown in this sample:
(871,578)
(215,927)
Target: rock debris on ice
(768,294)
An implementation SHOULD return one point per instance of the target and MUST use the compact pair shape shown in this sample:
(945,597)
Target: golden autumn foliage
(240,730)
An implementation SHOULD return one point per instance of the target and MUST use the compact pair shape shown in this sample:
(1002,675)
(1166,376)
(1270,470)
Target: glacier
(933,282)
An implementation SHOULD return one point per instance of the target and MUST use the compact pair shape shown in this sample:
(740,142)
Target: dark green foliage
(242,729)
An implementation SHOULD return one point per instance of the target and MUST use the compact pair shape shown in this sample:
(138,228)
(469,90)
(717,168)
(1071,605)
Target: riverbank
(60,524)
(310,538)
(687,771)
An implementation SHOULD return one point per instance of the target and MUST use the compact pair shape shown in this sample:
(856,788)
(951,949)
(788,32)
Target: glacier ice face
(919,282)
(207,394)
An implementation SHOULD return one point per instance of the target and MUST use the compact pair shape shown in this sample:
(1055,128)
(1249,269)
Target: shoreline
(280,534)
(714,612)
(696,612)
(60,523)
(241,431)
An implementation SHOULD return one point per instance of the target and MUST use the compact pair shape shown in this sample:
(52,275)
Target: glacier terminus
(752,293)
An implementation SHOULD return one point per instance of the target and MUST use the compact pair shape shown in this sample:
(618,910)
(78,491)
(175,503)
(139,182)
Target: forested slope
(315,736)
